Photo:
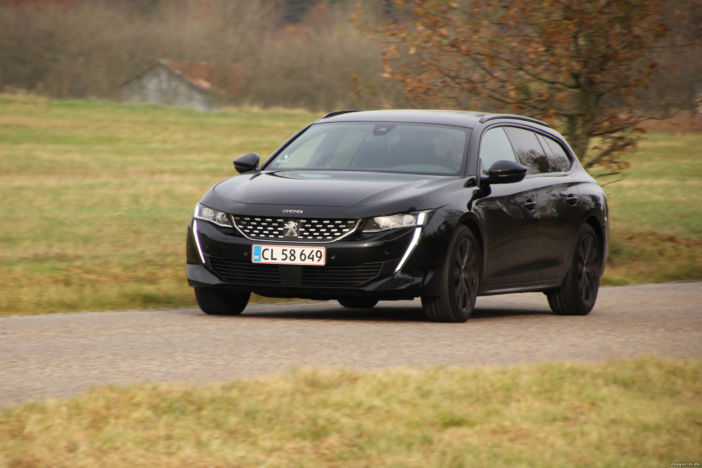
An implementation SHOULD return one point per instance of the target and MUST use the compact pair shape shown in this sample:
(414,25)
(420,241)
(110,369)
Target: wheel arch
(472,224)
(467,220)
(601,234)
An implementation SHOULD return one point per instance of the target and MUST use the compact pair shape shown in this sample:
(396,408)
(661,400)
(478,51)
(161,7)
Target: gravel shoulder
(58,355)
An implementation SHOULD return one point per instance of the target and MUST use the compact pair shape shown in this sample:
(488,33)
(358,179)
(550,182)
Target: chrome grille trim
(272,228)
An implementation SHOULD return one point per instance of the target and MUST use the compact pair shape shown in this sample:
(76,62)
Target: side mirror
(246,163)
(505,172)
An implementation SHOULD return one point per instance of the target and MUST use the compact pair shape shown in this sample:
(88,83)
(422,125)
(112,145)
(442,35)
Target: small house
(200,85)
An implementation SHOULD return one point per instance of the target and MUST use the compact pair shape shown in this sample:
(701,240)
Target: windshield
(385,147)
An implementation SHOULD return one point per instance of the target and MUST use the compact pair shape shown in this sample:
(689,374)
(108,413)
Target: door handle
(530,204)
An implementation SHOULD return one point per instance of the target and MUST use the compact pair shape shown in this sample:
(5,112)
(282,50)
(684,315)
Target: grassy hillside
(642,413)
(96,197)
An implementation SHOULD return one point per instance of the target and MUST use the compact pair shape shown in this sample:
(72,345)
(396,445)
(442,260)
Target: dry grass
(640,256)
(642,412)
(96,197)
(682,122)
(656,212)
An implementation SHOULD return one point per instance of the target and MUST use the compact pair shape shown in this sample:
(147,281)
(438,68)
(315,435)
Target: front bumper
(355,267)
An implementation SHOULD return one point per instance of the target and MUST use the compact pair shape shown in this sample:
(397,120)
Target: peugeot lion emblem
(291,229)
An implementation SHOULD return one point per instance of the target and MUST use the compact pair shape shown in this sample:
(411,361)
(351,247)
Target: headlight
(220,218)
(382,223)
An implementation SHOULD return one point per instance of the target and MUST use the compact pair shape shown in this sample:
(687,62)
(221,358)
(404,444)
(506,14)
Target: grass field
(656,212)
(642,413)
(96,197)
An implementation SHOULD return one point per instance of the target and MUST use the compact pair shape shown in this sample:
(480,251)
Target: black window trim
(566,148)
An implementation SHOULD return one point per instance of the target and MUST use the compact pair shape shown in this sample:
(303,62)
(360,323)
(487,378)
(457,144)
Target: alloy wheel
(465,274)
(588,269)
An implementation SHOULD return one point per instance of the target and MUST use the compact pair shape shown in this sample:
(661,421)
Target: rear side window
(529,151)
(557,157)
(494,146)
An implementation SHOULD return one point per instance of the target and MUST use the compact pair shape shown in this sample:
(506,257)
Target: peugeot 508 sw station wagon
(397,204)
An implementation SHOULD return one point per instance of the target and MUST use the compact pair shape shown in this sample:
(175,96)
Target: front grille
(313,276)
(355,275)
(241,272)
(294,229)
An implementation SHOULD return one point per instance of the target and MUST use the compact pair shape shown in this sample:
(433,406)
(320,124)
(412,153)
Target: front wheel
(214,301)
(578,293)
(458,281)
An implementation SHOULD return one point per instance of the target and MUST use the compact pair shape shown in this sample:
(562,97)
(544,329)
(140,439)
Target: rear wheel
(458,286)
(358,302)
(578,293)
(214,301)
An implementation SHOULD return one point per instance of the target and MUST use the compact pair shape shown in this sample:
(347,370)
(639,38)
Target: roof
(444,117)
(209,77)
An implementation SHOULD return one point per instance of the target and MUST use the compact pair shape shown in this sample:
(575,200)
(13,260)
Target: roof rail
(486,118)
(339,112)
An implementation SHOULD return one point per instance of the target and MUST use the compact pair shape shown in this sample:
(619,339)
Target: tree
(577,64)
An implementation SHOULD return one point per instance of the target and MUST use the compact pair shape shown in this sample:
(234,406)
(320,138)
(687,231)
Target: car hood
(327,193)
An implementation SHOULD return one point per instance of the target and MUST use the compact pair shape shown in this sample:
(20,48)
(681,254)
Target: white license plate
(288,255)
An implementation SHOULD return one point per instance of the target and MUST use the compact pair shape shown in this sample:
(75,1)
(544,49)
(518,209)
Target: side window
(557,157)
(494,146)
(529,151)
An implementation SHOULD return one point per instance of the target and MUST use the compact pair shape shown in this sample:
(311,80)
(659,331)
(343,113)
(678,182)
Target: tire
(578,293)
(213,301)
(458,282)
(358,302)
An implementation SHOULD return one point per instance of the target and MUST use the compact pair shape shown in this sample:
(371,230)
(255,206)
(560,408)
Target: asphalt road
(62,354)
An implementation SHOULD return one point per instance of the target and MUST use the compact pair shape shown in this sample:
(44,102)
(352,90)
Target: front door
(509,221)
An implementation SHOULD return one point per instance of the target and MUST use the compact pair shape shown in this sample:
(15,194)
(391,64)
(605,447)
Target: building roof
(219,79)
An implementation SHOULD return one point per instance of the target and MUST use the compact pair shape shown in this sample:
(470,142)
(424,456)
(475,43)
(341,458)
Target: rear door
(557,210)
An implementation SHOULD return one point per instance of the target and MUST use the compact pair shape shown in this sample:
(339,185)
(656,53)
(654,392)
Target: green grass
(656,212)
(642,412)
(96,197)
(662,191)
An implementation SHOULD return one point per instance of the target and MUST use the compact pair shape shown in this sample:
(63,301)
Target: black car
(397,204)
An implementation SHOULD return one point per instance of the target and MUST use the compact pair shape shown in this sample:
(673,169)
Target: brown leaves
(571,62)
